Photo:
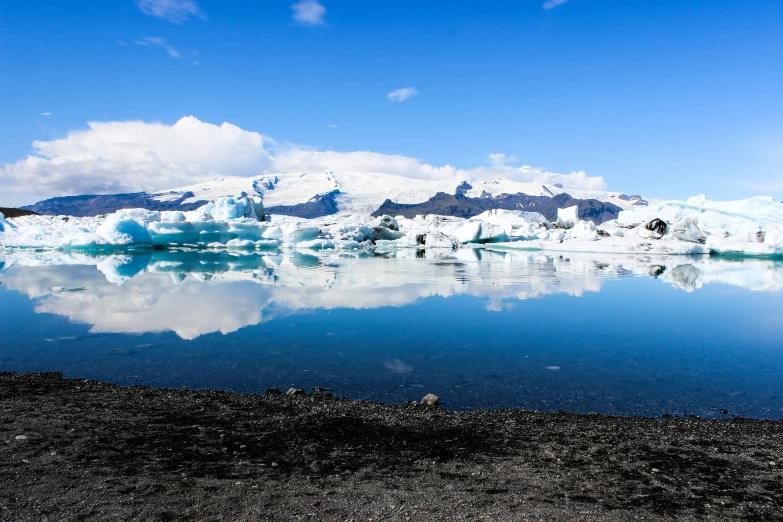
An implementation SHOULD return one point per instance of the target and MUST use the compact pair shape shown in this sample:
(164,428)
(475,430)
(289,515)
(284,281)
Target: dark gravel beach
(85,450)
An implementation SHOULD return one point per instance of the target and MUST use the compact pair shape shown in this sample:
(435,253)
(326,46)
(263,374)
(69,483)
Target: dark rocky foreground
(85,450)
(15,212)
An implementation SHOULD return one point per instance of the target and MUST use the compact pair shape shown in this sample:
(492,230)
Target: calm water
(613,334)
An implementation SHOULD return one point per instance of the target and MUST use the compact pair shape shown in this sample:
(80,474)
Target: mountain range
(314,195)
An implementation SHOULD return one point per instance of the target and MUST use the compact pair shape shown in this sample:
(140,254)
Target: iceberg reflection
(193,293)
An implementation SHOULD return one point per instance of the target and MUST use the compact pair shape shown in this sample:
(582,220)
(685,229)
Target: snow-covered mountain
(319,194)
(360,193)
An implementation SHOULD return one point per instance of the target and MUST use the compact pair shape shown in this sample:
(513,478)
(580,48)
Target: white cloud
(549,4)
(498,159)
(131,156)
(402,94)
(196,62)
(176,11)
(333,125)
(46,114)
(160,42)
(309,12)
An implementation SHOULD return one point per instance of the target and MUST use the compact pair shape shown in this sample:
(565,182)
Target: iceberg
(122,229)
(750,227)
(687,230)
(567,217)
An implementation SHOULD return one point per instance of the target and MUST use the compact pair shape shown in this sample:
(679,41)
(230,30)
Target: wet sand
(72,449)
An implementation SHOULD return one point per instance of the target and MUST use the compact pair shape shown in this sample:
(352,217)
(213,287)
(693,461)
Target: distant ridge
(318,206)
(466,207)
(94,205)
(319,194)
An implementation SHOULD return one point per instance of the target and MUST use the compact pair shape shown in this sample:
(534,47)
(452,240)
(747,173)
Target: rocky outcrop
(460,205)
(15,212)
(634,200)
(318,206)
(95,205)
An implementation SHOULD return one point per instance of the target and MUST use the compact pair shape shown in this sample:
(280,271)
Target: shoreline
(78,449)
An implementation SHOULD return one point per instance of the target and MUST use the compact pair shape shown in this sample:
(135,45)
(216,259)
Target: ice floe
(750,227)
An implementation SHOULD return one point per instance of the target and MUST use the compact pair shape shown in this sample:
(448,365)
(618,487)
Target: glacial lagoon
(480,328)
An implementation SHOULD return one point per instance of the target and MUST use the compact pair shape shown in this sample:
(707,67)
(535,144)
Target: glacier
(363,193)
(697,226)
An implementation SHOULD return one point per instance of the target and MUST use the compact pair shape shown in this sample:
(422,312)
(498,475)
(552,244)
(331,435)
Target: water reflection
(194,293)
(610,336)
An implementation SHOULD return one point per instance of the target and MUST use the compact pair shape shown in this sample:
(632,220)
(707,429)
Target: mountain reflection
(194,293)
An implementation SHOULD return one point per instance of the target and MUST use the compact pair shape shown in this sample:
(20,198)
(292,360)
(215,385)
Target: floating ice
(744,227)
(436,239)
(121,229)
(226,209)
(687,230)
(751,227)
(568,217)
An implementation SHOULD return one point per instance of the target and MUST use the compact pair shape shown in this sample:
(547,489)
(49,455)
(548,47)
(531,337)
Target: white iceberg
(751,227)
(568,217)
(121,229)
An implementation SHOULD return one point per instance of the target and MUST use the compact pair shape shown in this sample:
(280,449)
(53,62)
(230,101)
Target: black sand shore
(84,450)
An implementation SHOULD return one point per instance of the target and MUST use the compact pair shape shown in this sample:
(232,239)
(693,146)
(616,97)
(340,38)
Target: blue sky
(661,98)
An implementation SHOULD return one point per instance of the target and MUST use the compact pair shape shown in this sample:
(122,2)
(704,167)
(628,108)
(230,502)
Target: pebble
(656,470)
(724,411)
(319,389)
(20,437)
(771,462)
(273,391)
(430,400)
(295,391)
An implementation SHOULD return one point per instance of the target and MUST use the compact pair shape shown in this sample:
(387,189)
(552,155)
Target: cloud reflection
(193,293)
